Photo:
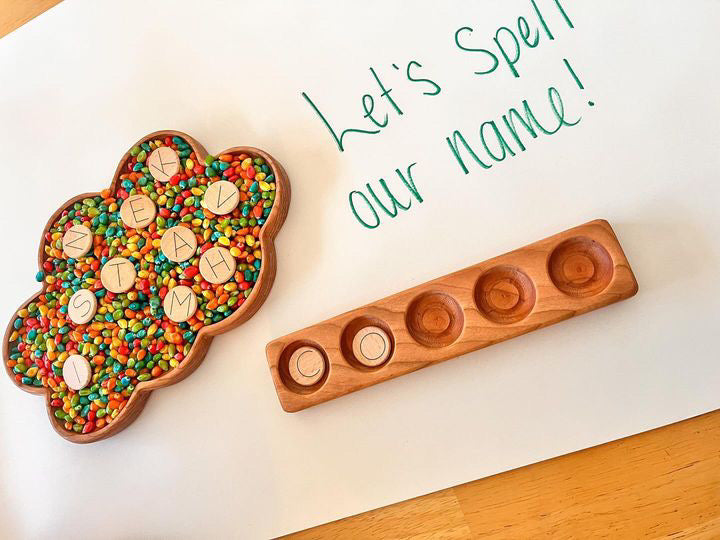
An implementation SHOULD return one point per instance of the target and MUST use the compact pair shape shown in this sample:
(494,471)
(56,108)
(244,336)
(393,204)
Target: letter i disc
(76,372)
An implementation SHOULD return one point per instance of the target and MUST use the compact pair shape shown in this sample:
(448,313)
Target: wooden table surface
(661,484)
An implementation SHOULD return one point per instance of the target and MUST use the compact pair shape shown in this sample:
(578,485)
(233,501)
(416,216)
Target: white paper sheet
(215,456)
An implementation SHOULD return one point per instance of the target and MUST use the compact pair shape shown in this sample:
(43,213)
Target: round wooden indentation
(371,346)
(178,244)
(82,306)
(164,163)
(434,319)
(367,343)
(306,366)
(137,211)
(505,294)
(221,197)
(180,303)
(76,372)
(217,265)
(77,241)
(118,275)
(580,266)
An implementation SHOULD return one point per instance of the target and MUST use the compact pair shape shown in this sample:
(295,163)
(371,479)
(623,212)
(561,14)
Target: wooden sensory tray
(260,291)
(552,280)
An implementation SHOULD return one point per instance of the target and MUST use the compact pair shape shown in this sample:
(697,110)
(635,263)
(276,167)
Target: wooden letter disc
(82,306)
(77,241)
(138,211)
(118,275)
(76,372)
(180,304)
(307,366)
(217,265)
(371,346)
(164,163)
(178,244)
(221,197)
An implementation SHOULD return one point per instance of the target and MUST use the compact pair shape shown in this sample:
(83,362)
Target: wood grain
(437,515)
(15,13)
(547,282)
(663,483)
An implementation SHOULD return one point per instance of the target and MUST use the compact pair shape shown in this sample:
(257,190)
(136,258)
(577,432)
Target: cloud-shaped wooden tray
(195,356)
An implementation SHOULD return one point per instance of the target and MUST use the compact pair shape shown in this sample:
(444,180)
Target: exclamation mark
(577,80)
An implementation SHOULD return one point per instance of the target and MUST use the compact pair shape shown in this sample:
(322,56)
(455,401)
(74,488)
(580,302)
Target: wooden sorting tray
(195,356)
(557,278)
